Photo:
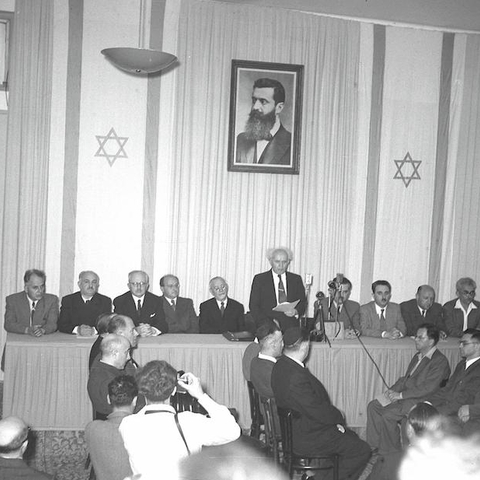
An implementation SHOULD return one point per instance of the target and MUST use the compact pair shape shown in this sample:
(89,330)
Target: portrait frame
(242,152)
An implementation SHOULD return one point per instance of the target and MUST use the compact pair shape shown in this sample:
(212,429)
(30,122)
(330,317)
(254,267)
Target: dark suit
(370,321)
(183,319)
(277,151)
(261,376)
(349,313)
(17,313)
(74,311)
(16,469)
(211,320)
(413,318)
(263,298)
(315,430)
(454,318)
(461,389)
(151,312)
(382,422)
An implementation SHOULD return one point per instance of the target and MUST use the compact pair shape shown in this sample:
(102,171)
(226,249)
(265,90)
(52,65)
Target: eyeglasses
(470,293)
(464,342)
(220,288)
(138,284)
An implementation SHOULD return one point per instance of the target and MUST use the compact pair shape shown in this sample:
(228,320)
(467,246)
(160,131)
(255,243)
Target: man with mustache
(265,140)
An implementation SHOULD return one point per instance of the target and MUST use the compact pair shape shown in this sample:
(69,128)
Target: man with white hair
(13,443)
(275,287)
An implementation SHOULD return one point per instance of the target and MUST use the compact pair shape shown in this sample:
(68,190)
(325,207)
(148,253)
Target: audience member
(115,353)
(425,374)
(179,311)
(80,311)
(157,438)
(318,427)
(32,311)
(13,443)
(462,312)
(339,307)
(382,318)
(423,309)
(143,307)
(252,351)
(464,384)
(271,346)
(277,286)
(104,442)
(221,313)
(119,325)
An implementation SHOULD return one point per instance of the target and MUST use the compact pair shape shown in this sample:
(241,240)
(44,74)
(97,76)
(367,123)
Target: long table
(46,378)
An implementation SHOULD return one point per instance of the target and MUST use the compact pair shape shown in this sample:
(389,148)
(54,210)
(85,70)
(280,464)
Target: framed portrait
(265,117)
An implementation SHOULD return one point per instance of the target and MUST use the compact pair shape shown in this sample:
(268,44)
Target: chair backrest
(257,419)
(285,416)
(271,434)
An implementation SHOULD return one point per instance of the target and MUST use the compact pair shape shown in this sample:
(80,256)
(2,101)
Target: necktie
(424,312)
(222,308)
(87,302)
(282,297)
(382,319)
(32,313)
(139,306)
(173,305)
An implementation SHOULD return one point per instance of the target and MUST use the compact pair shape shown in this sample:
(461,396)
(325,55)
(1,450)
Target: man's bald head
(425,296)
(13,436)
(115,350)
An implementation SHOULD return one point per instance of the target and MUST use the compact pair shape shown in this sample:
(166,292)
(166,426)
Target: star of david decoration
(410,165)
(111,146)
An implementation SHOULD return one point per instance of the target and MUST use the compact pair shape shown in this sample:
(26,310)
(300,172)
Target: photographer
(157,438)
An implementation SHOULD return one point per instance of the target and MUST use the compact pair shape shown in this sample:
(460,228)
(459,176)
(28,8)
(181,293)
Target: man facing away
(179,311)
(115,353)
(382,318)
(265,140)
(221,313)
(143,307)
(13,443)
(462,312)
(104,442)
(277,286)
(80,311)
(423,309)
(318,427)
(426,373)
(32,311)
(157,438)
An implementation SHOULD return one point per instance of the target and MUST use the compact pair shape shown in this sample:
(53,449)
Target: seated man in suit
(339,307)
(32,311)
(277,286)
(463,386)
(79,311)
(271,346)
(104,442)
(13,443)
(221,313)
(318,427)
(425,374)
(423,309)
(143,307)
(382,318)
(179,311)
(114,361)
(462,312)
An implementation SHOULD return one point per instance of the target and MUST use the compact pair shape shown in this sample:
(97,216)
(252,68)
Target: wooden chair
(300,463)
(257,419)
(273,436)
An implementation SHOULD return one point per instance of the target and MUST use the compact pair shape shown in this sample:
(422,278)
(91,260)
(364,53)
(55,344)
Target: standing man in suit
(179,311)
(423,309)
(382,318)
(462,312)
(79,311)
(277,286)
(221,313)
(143,307)
(318,427)
(265,140)
(424,376)
(32,311)
(463,386)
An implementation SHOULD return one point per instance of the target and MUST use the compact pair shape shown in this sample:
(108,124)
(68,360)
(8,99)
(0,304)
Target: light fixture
(139,60)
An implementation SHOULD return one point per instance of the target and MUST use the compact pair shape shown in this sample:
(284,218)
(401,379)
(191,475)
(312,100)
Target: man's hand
(191,384)
(85,331)
(393,334)
(393,396)
(291,313)
(145,330)
(35,331)
(464,413)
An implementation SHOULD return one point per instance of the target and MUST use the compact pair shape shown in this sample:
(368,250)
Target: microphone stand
(319,334)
